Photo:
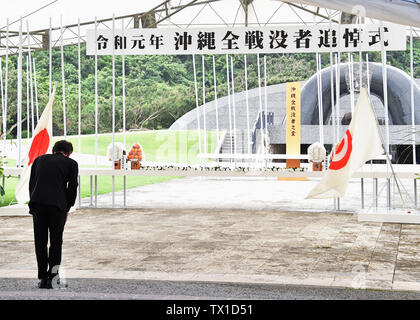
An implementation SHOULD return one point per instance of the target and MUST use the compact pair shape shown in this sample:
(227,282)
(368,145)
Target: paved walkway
(224,245)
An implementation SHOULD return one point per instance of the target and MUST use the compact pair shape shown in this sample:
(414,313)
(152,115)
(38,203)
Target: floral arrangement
(219,168)
(118,151)
(316,152)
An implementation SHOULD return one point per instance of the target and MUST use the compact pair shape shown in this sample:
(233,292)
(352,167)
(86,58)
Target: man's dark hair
(63,146)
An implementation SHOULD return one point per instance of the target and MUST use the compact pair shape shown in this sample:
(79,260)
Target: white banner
(275,39)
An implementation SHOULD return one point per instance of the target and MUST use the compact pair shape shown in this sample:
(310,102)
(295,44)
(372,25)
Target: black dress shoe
(43,284)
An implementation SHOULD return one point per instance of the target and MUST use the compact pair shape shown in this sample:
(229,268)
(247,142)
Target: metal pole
(229,105)
(79,87)
(351,81)
(3,116)
(113,109)
(388,194)
(50,60)
(248,132)
(266,104)
(96,191)
(413,120)
(63,80)
(91,190)
(233,108)
(6,80)
(367,73)
(320,105)
(36,91)
(385,87)
(362,192)
(124,117)
(215,99)
(30,79)
(260,101)
(197,105)
(337,93)
(123,87)
(415,193)
(96,94)
(204,105)
(28,114)
(19,97)
(79,192)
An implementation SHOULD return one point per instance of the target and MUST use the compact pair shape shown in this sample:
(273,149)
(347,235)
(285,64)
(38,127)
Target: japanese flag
(41,144)
(361,143)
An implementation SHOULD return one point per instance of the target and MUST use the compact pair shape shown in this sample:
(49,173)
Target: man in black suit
(52,189)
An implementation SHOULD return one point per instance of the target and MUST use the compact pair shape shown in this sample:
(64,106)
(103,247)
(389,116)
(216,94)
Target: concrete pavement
(224,245)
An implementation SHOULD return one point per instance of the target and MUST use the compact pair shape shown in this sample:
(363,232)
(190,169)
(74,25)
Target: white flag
(361,143)
(40,144)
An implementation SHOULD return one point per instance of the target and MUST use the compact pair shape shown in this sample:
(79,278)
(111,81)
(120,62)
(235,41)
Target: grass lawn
(162,146)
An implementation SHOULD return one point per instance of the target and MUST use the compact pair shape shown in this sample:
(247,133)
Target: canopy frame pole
(413,119)
(79,91)
(229,105)
(28,120)
(351,81)
(197,105)
(260,102)
(320,103)
(235,140)
(50,55)
(385,85)
(123,105)
(215,99)
(2,93)
(36,90)
(266,107)
(63,79)
(248,132)
(113,110)
(6,81)
(19,97)
(204,104)
(96,94)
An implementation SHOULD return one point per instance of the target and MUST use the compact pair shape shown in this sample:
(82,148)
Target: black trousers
(48,219)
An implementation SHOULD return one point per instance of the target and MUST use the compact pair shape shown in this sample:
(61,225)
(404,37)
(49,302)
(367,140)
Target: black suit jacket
(53,181)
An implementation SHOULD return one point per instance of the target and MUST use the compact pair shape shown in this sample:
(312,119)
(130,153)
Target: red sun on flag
(39,146)
(343,152)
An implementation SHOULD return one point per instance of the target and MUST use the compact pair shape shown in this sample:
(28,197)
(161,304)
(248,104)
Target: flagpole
(6,80)
(36,91)
(260,102)
(19,96)
(27,99)
(248,132)
(413,120)
(30,79)
(113,108)
(229,105)
(215,99)
(96,94)
(50,60)
(197,105)
(63,80)
(204,104)
(233,109)
(266,107)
